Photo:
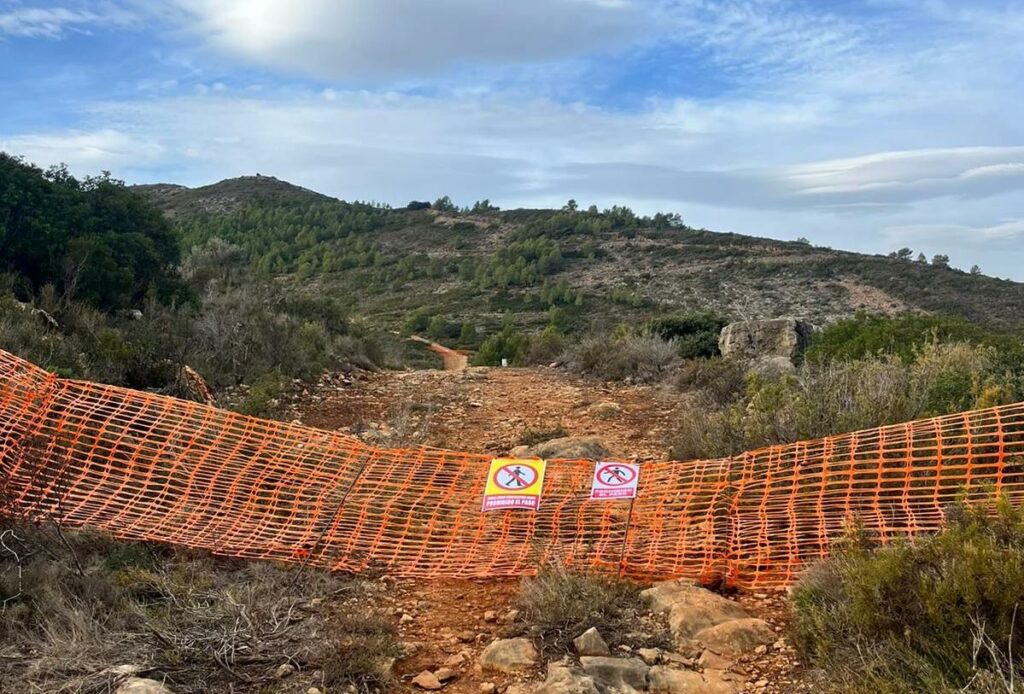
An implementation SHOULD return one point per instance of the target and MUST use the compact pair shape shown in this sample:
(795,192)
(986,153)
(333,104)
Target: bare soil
(488,410)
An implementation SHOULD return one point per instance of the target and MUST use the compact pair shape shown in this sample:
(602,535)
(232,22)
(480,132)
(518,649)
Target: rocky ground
(489,410)
(462,636)
(718,646)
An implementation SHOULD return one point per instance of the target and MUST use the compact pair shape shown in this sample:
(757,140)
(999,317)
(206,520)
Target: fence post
(334,516)
(625,535)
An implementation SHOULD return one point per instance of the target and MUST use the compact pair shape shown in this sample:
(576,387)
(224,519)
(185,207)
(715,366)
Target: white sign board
(615,480)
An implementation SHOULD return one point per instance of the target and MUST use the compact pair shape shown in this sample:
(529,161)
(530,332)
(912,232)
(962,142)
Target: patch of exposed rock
(761,340)
(624,675)
(563,679)
(590,642)
(719,625)
(509,655)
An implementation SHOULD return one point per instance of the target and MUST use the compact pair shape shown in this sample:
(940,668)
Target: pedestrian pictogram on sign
(514,483)
(615,480)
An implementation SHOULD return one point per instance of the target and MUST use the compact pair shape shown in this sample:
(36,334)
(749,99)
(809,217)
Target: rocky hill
(226,196)
(576,269)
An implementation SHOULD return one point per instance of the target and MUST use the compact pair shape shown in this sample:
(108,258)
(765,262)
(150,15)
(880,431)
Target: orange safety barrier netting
(148,467)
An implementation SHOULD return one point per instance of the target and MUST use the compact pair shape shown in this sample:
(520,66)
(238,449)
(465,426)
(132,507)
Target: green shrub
(939,614)
(263,397)
(544,348)
(695,334)
(868,335)
(719,381)
(508,344)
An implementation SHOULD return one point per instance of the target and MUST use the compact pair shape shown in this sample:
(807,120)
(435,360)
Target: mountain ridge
(593,268)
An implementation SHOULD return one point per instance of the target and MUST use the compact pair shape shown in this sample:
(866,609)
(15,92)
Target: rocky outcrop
(664,680)
(719,626)
(737,636)
(508,655)
(563,679)
(690,608)
(758,340)
(616,674)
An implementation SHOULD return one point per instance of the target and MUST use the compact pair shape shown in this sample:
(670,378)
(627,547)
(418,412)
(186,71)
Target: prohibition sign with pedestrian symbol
(515,477)
(514,483)
(615,475)
(615,480)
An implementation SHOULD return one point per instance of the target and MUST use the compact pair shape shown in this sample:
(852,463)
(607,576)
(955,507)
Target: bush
(695,335)
(718,381)
(939,614)
(508,344)
(868,335)
(544,348)
(634,358)
(78,603)
(559,605)
(821,399)
(359,657)
(239,335)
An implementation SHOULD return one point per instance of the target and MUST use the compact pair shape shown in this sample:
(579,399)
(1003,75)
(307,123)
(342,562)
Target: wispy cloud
(55,21)
(766,36)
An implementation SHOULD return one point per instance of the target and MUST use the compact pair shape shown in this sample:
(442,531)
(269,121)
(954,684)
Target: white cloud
(346,141)
(1005,231)
(86,152)
(53,22)
(366,39)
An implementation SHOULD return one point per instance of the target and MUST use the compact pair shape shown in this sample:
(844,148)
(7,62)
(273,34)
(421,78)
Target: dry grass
(79,613)
(630,358)
(558,605)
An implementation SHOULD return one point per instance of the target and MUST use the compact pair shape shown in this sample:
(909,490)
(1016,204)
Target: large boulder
(756,340)
(666,680)
(737,637)
(690,608)
(618,675)
(509,655)
(562,679)
(571,447)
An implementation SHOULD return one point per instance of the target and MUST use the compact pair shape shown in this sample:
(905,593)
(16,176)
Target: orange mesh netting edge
(148,467)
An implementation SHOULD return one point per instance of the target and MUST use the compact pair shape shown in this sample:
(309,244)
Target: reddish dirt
(448,620)
(489,411)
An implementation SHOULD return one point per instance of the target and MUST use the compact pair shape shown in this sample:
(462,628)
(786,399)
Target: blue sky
(864,125)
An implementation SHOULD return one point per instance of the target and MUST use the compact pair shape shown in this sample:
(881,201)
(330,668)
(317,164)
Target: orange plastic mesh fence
(147,467)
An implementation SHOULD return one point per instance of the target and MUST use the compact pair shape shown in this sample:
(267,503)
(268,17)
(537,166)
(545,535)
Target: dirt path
(448,623)
(488,410)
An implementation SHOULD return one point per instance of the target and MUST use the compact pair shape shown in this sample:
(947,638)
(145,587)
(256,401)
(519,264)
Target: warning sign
(615,481)
(514,483)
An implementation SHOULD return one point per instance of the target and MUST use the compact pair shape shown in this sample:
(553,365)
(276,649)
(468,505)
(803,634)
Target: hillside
(578,270)
(226,196)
